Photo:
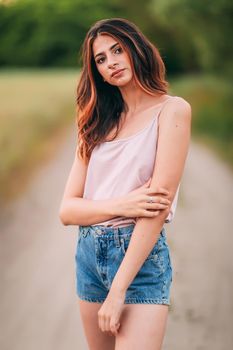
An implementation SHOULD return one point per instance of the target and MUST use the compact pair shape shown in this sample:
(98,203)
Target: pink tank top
(117,167)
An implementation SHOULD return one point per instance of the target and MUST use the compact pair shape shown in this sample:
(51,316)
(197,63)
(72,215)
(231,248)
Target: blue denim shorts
(99,253)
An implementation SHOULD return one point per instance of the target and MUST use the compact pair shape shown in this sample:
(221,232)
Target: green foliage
(47,32)
(207,24)
(211,100)
(36,106)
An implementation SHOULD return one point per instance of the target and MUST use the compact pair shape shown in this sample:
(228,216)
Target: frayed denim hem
(147,301)
(130,301)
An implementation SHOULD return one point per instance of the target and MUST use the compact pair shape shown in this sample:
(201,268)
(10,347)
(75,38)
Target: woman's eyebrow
(111,47)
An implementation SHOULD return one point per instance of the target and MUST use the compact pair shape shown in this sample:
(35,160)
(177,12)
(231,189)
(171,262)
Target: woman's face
(110,57)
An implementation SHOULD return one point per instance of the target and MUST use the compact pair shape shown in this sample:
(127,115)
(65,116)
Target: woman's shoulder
(178,102)
(176,107)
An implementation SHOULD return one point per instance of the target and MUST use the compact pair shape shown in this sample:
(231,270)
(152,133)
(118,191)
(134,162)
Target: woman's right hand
(135,203)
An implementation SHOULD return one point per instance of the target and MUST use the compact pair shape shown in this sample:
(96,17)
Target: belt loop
(80,229)
(83,230)
(117,236)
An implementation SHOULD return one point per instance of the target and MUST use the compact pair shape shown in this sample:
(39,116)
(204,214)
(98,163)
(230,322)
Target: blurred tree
(45,32)
(207,24)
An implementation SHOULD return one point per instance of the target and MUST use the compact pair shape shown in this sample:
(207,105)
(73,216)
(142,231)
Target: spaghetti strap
(163,104)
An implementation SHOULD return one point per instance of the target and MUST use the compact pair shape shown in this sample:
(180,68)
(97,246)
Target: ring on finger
(151,200)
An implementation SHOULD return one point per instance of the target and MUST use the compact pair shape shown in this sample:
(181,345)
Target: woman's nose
(112,64)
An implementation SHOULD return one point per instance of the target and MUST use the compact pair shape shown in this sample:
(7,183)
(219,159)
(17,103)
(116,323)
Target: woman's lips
(117,73)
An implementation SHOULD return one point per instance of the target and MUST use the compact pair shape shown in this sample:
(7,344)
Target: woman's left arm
(172,150)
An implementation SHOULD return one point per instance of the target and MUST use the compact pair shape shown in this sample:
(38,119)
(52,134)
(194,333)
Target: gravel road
(38,305)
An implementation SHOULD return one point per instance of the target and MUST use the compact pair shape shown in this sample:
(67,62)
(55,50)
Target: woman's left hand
(110,312)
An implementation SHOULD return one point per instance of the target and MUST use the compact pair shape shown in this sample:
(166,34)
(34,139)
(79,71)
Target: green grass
(211,100)
(36,107)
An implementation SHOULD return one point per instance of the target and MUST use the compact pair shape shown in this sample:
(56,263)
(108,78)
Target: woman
(123,186)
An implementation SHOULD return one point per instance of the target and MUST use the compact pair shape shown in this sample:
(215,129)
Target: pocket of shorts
(155,250)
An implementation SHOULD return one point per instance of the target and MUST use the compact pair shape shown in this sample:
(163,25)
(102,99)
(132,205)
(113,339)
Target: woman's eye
(119,49)
(99,61)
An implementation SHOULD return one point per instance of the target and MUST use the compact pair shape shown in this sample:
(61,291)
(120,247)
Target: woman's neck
(136,99)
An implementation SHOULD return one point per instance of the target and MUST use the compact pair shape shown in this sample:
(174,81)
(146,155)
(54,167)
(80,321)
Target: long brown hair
(99,104)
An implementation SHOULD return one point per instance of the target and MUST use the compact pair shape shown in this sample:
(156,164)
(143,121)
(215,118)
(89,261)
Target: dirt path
(201,242)
(38,307)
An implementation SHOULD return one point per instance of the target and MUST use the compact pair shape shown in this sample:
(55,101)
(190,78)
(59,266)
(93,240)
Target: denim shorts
(99,253)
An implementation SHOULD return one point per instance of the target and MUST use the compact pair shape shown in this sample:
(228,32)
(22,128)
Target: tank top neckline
(143,129)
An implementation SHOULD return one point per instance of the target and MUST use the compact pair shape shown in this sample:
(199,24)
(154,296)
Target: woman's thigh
(96,339)
(142,327)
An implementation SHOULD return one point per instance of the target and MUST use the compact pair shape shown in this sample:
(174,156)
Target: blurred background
(40,43)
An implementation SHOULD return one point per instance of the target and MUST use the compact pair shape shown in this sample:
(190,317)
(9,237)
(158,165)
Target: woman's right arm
(75,210)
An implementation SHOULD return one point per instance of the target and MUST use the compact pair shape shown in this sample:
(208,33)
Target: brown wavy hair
(99,104)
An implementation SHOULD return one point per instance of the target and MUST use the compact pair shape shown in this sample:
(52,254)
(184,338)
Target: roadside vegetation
(37,107)
(211,100)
